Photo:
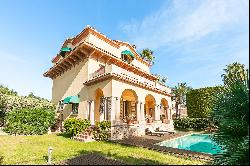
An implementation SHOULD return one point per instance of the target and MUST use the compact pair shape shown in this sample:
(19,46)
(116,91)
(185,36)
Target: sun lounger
(167,131)
(152,132)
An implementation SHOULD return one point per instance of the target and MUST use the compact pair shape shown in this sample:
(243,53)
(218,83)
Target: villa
(97,78)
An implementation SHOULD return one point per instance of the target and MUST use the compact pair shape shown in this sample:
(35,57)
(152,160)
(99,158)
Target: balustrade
(129,75)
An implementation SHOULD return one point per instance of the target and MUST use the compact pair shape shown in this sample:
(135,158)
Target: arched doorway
(128,105)
(99,104)
(149,108)
(164,109)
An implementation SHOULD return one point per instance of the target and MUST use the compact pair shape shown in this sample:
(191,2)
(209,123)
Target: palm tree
(148,55)
(179,95)
(161,79)
(231,113)
(234,71)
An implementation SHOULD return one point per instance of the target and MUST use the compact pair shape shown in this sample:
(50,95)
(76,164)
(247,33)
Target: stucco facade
(109,87)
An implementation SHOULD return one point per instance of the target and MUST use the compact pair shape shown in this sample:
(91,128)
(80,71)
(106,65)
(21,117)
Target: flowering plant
(162,117)
(130,116)
(147,117)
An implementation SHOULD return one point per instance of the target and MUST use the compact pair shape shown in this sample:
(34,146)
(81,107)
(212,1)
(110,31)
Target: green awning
(66,49)
(71,99)
(127,52)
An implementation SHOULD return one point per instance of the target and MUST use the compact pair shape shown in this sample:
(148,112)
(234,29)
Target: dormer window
(127,56)
(64,50)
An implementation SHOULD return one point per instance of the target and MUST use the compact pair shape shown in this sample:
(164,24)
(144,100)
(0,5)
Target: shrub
(29,121)
(75,126)
(231,111)
(2,110)
(7,91)
(21,102)
(191,123)
(200,102)
(9,102)
(102,130)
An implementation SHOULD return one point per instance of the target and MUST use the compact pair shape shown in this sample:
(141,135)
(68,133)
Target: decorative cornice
(115,43)
(78,54)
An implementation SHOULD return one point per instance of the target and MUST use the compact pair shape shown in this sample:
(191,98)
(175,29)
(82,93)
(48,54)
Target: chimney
(134,46)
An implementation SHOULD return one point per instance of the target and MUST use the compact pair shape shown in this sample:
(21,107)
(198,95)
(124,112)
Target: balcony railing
(128,74)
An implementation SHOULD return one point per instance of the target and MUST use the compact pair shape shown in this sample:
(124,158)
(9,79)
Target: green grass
(33,150)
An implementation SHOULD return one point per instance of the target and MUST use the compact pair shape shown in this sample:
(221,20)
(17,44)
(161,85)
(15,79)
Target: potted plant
(163,118)
(130,119)
(149,119)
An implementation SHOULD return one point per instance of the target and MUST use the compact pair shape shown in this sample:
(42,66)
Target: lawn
(33,150)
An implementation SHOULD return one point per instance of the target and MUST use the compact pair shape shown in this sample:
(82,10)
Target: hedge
(7,91)
(200,102)
(10,102)
(102,130)
(20,102)
(29,121)
(75,126)
(191,123)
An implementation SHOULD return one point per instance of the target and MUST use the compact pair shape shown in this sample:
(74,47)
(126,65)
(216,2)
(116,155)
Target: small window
(75,108)
(126,58)
(60,106)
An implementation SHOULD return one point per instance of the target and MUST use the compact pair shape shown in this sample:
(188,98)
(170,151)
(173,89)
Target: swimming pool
(194,142)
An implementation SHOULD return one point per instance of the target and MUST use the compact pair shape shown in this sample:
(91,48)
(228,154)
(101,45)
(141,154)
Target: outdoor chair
(152,132)
(167,131)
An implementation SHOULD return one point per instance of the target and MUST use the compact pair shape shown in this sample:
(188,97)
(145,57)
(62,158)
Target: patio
(148,141)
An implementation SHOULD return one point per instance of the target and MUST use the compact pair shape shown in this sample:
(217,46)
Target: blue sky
(193,40)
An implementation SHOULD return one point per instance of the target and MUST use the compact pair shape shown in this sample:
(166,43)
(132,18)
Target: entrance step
(86,136)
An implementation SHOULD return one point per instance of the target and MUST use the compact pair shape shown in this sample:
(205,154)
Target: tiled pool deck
(149,142)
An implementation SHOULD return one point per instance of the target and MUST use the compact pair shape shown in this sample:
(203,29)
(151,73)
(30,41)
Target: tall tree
(231,113)
(148,55)
(234,72)
(179,95)
(161,79)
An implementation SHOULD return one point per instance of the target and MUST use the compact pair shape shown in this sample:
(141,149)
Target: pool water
(194,142)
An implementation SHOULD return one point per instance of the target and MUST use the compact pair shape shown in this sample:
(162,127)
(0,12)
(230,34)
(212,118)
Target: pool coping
(151,145)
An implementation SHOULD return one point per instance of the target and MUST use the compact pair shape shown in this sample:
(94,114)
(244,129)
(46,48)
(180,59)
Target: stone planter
(150,120)
(135,122)
(165,121)
(129,121)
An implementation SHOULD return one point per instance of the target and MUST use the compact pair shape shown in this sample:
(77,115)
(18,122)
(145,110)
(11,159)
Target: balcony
(129,75)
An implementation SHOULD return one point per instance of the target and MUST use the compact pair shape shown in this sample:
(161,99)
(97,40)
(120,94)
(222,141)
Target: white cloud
(194,40)
(185,21)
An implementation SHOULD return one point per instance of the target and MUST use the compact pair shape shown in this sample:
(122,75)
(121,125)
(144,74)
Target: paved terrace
(149,142)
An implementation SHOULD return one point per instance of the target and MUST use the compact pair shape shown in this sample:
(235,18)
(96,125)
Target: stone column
(170,113)
(157,113)
(142,115)
(138,111)
(91,112)
(115,112)
(117,109)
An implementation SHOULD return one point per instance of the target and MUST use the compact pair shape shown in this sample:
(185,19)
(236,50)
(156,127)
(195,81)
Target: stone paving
(90,159)
(149,142)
